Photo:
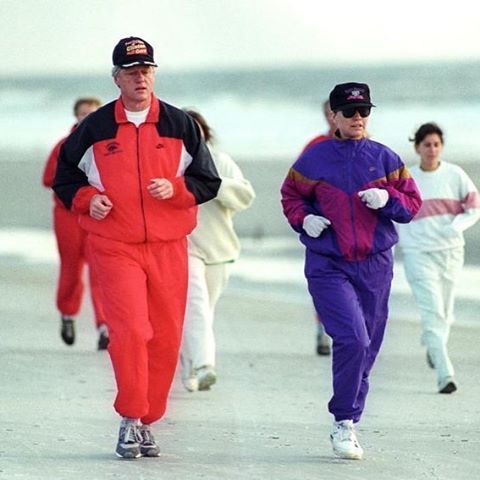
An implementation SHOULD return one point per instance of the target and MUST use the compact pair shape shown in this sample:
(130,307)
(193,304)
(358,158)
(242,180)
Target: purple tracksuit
(349,267)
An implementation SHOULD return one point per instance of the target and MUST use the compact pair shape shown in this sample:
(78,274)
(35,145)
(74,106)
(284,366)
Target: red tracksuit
(139,249)
(72,247)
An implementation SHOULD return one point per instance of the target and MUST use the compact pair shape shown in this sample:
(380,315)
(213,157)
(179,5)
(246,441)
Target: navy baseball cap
(346,95)
(133,51)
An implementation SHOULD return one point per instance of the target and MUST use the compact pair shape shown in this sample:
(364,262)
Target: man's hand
(160,188)
(374,198)
(100,206)
(314,225)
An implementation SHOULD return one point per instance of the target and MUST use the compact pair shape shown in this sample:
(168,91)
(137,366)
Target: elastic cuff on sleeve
(81,200)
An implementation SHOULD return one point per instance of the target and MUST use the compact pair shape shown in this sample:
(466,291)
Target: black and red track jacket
(109,155)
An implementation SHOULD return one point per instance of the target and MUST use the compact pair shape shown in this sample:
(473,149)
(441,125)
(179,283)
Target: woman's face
(429,150)
(354,128)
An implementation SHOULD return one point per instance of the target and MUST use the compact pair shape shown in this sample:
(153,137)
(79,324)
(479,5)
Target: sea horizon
(265,112)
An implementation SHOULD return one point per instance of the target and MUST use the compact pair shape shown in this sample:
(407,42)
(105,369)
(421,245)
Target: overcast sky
(41,36)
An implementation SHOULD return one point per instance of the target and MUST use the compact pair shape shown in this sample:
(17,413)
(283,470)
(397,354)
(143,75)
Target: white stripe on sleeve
(88,165)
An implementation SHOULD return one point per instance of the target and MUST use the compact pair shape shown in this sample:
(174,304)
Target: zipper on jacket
(352,215)
(142,206)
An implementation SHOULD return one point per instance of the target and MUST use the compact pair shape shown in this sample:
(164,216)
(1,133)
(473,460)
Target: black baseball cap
(346,95)
(132,51)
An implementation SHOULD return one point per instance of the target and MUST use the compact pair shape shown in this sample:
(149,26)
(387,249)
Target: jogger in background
(323,341)
(433,245)
(72,248)
(212,248)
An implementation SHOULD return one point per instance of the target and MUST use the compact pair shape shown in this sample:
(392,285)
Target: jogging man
(134,171)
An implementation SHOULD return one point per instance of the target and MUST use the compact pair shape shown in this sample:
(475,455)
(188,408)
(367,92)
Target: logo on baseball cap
(133,51)
(346,95)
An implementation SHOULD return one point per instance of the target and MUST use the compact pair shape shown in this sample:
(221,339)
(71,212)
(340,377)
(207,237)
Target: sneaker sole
(102,344)
(67,331)
(68,339)
(348,456)
(323,351)
(129,455)
(150,453)
(207,381)
(450,387)
(190,388)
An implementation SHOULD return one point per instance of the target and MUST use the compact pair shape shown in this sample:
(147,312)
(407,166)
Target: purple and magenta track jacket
(326,179)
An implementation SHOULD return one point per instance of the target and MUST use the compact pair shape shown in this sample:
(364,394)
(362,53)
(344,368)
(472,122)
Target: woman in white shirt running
(433,245)
(212,248)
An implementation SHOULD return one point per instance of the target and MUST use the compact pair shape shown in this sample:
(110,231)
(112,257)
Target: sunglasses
(350,112)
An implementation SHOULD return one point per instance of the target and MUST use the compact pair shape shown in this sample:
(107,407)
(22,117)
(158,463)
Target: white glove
(374,198)
(314,225)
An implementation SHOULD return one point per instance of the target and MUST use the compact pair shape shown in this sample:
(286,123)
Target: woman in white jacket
(433,245)
(212,248)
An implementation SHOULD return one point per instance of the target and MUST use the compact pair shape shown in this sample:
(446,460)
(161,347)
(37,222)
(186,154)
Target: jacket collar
(343,144)
(153,115)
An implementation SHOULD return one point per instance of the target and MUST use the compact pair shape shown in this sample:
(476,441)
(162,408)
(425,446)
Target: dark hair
(85,100)
(427,129)
(207,131)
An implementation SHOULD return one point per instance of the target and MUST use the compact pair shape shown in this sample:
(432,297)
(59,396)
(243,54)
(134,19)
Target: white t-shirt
(137,117)
(451,204)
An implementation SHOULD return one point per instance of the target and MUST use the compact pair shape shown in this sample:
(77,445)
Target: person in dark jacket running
(342,196)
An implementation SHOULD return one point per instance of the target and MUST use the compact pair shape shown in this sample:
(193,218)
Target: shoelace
(146,436)
(131,435)
(346,432)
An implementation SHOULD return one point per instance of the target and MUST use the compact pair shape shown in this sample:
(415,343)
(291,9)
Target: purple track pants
(352,301)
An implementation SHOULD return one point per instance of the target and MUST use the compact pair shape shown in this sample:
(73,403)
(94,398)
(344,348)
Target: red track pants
(144,290)
(72,247)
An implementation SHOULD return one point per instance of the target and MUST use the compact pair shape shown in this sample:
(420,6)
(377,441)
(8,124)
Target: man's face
(353,128)
(136,83)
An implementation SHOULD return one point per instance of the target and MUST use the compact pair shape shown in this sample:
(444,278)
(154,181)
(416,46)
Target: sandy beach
(266,417)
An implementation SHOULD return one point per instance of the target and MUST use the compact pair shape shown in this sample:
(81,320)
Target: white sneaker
(190,383)
(344,440)
(206,377)
(189,378)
